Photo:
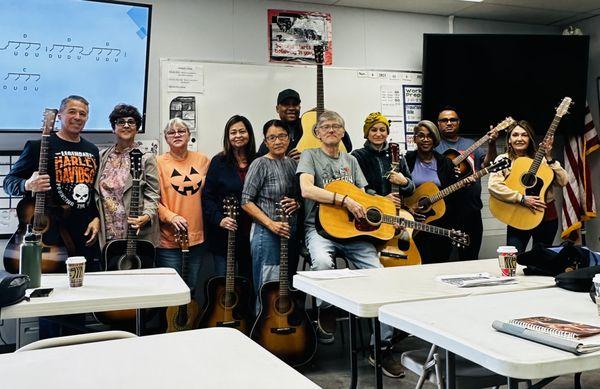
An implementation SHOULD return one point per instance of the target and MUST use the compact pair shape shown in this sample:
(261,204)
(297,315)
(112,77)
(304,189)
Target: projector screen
(52,49)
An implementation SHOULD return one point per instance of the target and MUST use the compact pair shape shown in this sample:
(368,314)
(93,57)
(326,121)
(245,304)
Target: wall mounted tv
(52,49)
(489,77)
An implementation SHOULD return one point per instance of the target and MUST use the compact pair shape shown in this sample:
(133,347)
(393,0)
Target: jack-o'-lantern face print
(186,183)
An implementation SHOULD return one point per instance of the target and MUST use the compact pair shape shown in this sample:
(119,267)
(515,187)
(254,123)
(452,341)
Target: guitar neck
(40,197)
(230,274)
(284,289)
(320,91)
(465,154)
(393,219)
(134,211)
(456,186)
(539,155)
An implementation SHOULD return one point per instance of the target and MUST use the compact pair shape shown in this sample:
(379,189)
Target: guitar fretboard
(539,155)
(283,269)
(230,274)
(392,219)
(320,93)
(40,197)
(134,211)
(456,186)
(465,154)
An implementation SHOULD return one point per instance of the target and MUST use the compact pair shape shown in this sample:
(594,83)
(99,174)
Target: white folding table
(463,326)
(104,291)
(362,296)
(207,358)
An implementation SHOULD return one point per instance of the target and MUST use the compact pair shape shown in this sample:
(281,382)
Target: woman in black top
(225,177)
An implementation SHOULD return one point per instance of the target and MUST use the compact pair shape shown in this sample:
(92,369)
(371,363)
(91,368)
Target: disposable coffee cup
(596,281)
(75,270)
(507,259)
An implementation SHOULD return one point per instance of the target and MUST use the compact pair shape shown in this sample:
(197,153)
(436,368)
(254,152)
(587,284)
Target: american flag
(578,204)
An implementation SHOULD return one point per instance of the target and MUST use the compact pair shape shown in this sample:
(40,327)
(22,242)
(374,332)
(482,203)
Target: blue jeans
(172,258)
(361,254)
(543,233)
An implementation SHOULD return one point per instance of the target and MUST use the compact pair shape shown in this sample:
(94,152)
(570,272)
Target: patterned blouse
(112,186)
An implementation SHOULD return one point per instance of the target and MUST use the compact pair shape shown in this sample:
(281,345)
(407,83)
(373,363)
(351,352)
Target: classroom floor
(330,368)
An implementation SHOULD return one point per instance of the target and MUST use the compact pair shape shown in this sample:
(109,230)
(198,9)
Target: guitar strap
(68,241)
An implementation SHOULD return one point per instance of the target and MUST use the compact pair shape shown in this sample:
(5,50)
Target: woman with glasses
(182,174)
(427,165)
(226,175)
(114,182)
(271,183)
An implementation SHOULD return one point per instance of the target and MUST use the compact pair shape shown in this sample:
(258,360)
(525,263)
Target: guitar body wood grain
(400,252)
(420,198)
(221,310)
(286,333)
(183,318)
(464,166)
(514,214)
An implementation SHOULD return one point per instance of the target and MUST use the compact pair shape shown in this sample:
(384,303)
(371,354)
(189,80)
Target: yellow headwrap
(372,119)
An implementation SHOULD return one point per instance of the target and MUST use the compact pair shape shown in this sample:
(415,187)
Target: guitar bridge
(283,330)
(394,255)
(230,324)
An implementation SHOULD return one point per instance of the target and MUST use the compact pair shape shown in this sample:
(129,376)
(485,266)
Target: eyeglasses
(122,122)
(271,138)
(421,136)
(446,120)
(328,127)
(173,133)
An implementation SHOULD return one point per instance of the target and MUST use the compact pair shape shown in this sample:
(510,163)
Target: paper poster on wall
(184,77)
(397,132)
(294,34)
(391,100)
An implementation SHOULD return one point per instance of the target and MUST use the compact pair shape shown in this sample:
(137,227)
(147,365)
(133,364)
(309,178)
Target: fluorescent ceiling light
(474,1)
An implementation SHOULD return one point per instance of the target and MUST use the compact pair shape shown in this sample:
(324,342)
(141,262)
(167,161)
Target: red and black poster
(294,34)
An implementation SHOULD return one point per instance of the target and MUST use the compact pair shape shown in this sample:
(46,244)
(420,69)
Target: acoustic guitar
(401,250)
(528,177)
(32,211)
(428,199)
(459,159)
(184,317)
(310,118)
(282,325)
(378,226)
(129,253)
(227,298)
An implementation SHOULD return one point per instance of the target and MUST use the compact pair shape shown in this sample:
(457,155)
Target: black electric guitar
(33,211)
(227,297)
(131,253)
(184,317)
(282,325)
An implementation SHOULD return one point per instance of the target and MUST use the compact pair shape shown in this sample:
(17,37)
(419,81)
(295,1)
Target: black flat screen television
(52,49)
(489,77)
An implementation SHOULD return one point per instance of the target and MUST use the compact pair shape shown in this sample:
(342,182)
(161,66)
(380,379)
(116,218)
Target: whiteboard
(251,90)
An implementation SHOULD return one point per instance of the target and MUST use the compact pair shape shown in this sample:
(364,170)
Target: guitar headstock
(563,108)
(319,51)
(49,119)
(502,164)
(459,238)
(181,237)
(135,157)
(230,206)
(503,125)
(394,152)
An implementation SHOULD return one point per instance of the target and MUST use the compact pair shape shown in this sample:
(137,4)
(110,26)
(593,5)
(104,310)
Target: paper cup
(75,270)
(507,259)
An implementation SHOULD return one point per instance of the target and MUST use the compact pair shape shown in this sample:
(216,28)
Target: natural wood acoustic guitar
(529,177)
(227,298)
(459,159)
(401,250)
(310,118)
(184,317)
(33,211)
(283,326)
(428,200)
(378,226)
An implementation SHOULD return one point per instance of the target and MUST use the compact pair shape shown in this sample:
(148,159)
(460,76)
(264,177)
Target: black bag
(579,280)
(12,288)
(543,261)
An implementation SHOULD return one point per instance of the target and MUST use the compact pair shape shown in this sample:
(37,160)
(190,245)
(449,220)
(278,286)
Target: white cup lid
(507,249)
(72,260)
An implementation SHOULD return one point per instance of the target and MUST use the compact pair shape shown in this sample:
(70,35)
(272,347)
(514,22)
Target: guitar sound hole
(229,300)
(129,262)
(528,180)
(423,204)
(283,305)
(374,216)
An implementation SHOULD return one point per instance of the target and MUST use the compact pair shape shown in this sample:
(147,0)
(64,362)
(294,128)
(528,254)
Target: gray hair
(65,101)
(176,121)
(331,115)
(435,133)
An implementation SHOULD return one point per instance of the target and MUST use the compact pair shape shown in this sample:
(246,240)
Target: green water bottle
(31,257)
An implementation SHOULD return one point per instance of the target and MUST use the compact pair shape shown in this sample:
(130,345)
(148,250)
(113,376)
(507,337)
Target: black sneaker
(324,337)
(389,366)
(326,319)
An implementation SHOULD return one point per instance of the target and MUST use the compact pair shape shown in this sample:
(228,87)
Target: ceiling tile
(514,14)
(557,5)
(433,7)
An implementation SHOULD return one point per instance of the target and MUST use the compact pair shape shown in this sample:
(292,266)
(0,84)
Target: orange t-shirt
(181,184)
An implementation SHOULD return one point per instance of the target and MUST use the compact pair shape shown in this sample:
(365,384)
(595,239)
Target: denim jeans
(172,258)
(361,254)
